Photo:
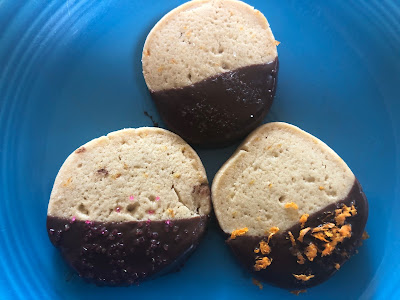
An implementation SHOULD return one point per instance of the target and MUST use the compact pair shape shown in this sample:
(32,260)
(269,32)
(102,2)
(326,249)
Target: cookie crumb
(277,43)
(80,150)
(303,277)
(297,292)
(337,266)
(239,232)
(257,283)
(365,235)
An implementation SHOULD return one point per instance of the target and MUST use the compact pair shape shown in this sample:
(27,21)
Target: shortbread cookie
(211,68)
(292,207)
(129,205)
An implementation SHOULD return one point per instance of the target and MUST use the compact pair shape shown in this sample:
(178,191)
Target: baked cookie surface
(129,205)
(211,68)
(293,208)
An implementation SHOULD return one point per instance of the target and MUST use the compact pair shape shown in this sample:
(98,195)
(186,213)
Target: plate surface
(70,71)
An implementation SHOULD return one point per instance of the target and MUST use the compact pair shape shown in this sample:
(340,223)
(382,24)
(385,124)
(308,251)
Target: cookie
(293,209)
(211,68)
(129,206)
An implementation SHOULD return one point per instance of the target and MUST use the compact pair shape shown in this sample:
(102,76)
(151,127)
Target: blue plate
(70,71)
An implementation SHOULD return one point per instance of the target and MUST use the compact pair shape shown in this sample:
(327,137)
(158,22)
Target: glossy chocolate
(284,260)
(124,253)
(222,108)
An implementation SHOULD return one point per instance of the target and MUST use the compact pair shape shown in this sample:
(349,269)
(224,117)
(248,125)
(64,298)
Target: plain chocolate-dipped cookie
(292,207)
(211,68)
(129,205)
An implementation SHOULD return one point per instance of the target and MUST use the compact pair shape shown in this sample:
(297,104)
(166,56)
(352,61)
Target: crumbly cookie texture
(279,175)
(203,38)
(131,175)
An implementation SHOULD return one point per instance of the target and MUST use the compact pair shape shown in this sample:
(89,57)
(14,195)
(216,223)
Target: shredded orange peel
(239,232)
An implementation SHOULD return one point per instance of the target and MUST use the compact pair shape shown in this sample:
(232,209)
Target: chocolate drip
(284,261)
(222,108)
(123,253)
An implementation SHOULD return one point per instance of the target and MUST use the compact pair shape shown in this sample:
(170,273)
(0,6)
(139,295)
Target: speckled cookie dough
(129,206)
(211,68)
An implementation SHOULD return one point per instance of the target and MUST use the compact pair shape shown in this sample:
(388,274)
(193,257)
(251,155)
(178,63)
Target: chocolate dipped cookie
(293,210)
(128,206)
(211,68)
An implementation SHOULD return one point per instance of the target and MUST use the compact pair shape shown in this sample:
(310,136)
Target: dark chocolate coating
(284,260)
(222,108)
(123,253)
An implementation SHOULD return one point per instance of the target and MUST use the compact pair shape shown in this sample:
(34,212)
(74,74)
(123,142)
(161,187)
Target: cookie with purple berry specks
(129,206)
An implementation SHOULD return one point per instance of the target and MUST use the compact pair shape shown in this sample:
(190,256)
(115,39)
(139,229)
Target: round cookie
(292,207)
(211,68)
(129,205)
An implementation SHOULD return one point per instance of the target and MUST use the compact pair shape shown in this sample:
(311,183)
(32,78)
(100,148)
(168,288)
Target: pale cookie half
(129,205)
(292,205)
(211,67)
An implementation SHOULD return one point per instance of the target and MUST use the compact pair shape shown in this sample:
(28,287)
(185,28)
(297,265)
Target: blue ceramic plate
(70,71)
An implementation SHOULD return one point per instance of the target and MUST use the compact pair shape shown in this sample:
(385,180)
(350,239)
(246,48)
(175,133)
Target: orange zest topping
(320,236)
(265,248)
(343,213)
(292,238)
(171,212)
(337,266)
(239,232)
(303,219)
(345,231)
(303,233)
(329,247)
(262,263)
(297,292)
(300,259)
(321,188)
(303,277)
(311,252)
(324,227)
(291,205)
(274,230)
(365,235)
(257,283)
